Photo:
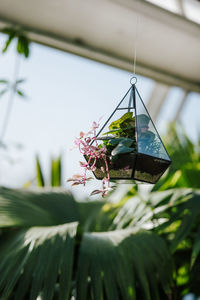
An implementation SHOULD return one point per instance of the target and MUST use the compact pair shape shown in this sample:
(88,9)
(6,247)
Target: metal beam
(104,31)
(181,105)
(157,99)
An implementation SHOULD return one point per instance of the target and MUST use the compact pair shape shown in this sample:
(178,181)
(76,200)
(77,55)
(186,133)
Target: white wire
(135,44)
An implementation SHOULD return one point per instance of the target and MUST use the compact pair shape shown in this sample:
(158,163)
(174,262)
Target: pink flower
(95,125)
(82,134)
(77,142)
(88,145)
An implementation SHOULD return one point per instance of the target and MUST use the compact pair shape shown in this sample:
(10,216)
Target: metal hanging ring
(133,80)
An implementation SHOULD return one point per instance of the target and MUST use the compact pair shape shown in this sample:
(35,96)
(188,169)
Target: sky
(66,93)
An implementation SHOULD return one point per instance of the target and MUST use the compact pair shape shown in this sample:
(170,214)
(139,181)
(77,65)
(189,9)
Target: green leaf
(9,40)
(184,229)
(35,260)
(125,141)
(20,46)
(56,172)
(21,94)
(196,248)
(115,272)
(22,208)
(4,81)
(121,149)
(114,132)
(185,157)
(7,30)
(3,92)
(100,215)
(20,81)
(39,176)
(23,45)
(116,124)
(123,146)
(120,264)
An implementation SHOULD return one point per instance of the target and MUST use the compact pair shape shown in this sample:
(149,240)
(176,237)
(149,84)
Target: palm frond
(96,215)
(34,260)
(22,208)
(185,155)
(196,247)
(175,213)
(123,265)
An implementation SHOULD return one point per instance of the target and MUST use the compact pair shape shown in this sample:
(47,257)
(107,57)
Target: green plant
(55,176)
(14,33)
(185,169)
(56,248)
(9,86)
(129,246)
(23,42)
(99,249)
(122,139)
(112,155)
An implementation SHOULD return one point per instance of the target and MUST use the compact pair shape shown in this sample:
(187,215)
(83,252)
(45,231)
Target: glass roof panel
(171,5)
(189,8)
(192,10)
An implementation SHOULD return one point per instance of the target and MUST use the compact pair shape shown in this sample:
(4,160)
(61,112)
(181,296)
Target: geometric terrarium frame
(135,150)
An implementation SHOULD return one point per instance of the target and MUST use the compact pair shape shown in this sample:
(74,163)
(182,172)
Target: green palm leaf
(22,208)
(185,155)
(112,265)
(33,261)
(183,207)
(196,248)
(49,259)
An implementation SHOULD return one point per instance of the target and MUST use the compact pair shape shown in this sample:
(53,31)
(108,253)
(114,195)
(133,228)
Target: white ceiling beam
(167,48)
(181,105)
(157,99)
(180,6)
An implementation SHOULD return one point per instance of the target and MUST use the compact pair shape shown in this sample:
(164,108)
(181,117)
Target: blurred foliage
(52,249)
(10,86)
(13,86)
(128,246)
(185,155)
(23,48)
(56,173)
(23,42)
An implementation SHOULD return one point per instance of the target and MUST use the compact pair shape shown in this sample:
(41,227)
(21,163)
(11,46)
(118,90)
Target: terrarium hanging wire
(134,149)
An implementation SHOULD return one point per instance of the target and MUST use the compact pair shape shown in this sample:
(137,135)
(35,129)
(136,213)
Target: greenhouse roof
(108,31)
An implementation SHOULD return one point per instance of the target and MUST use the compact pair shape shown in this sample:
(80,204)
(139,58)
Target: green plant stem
(11,98)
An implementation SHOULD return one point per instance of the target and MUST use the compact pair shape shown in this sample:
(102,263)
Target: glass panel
(149,169)
(120,168)
(148,139)
(171,5)
(124,107)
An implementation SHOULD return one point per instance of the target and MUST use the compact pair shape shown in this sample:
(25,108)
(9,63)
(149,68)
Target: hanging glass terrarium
(134,149)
